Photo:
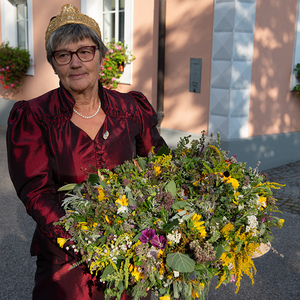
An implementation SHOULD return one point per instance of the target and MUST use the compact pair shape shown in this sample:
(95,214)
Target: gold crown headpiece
(69,14)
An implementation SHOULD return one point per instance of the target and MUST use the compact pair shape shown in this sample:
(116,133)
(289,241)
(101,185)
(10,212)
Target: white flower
(122,209)
(176,274)
(123,247)
(252,221)
(174,237)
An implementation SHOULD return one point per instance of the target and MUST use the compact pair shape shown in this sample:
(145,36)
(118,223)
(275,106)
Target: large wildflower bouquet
(169,222)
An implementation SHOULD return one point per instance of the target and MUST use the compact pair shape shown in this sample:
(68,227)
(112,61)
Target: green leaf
(175,289)
(179,205)
(163,150)
(142,162)
(121,286)
(162,291)
(136,238)
(67,188)
(187,217)
(129,196)
(80,218)
(262,229)
(180,262)
(219,251)
(171,188)
(93,179)
(107,271)
(170,225)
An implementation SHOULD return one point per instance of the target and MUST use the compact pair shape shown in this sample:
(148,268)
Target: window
(22,25)
(115,20)
(297,47)
(16,25)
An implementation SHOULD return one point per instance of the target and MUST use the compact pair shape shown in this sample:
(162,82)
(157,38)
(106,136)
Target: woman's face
(78,76)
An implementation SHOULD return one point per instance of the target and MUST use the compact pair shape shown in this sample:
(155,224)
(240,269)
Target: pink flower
(232,279)
(110,50)
(159,242)
(113,79)
(147,235)
(12,85)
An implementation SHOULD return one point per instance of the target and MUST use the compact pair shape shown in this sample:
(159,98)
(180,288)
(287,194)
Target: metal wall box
(195,75)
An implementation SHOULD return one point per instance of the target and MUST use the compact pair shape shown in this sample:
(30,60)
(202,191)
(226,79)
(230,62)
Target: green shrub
(114,62)
(14,63)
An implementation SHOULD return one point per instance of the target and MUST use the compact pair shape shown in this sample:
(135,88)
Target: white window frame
(9,28)
(94,9)
(25,26)
(296,47)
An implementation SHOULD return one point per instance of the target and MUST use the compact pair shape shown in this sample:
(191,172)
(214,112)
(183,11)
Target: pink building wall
(145,43)
(189,35)
(273,108)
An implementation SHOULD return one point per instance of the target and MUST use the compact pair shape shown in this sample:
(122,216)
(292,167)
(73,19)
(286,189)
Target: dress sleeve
(29,166)
(149,136)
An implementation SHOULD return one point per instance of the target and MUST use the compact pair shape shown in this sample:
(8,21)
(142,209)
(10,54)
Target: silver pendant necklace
(88,117)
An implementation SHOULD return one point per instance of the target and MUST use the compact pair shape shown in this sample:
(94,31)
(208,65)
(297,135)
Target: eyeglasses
(64,57)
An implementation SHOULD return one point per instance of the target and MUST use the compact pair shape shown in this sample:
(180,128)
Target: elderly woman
(62,136)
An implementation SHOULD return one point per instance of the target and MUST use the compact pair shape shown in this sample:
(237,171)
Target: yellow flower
(241,263)
(216,149)
(82,225)
(196,287)
(281,221)
(227,228)
(61,242)
(107,219)
(136,274)
(199,224)
(263,201)
(157,170)
(234,182)
(123,201)
(101,195)
(165,297)
(163,160)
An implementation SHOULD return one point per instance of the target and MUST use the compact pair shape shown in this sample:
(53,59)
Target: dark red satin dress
(46,151)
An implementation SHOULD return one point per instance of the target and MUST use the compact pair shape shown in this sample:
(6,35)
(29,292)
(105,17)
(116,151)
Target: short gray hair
(72,33)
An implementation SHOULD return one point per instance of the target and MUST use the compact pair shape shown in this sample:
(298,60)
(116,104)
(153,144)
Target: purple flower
(159,242)
(147,235)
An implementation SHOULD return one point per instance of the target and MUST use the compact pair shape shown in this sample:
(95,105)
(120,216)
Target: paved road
(276,279)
